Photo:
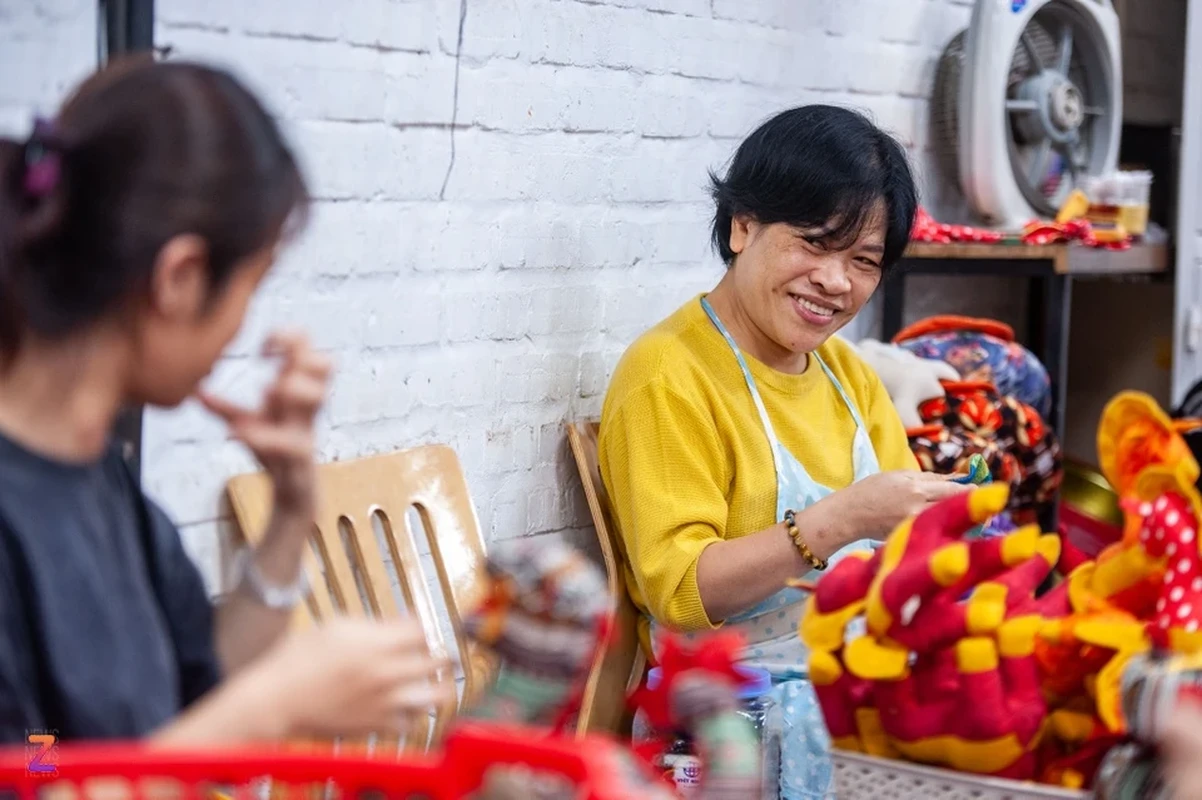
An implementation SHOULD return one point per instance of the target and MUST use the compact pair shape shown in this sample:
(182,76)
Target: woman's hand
(873,507)
(1181,752)
(280,433)
(735,574)
(349,677)
(345,677)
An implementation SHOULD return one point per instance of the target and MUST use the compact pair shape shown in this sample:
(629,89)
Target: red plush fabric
(926,229)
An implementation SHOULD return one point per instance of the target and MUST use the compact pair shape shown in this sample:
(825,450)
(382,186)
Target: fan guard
(1049,117)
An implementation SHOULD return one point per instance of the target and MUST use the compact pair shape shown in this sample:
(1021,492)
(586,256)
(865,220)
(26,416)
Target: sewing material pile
(1035,232)
(965,388)
(963,666)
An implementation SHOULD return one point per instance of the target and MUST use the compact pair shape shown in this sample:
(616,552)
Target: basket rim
(943,775)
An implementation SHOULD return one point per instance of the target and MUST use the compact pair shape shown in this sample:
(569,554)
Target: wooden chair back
(620,668)
(365,522)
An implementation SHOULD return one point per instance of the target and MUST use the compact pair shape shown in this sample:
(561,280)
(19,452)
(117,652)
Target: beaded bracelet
(795,534)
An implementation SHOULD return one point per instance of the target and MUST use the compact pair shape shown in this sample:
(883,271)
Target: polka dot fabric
(1169,529)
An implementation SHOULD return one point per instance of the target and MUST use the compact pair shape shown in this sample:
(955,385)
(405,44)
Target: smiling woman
(741,444)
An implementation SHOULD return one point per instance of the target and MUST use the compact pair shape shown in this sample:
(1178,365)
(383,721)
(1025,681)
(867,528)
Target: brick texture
(481,299)
(46,46)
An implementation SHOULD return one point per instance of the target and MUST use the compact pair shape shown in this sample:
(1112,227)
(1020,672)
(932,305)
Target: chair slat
(427,479)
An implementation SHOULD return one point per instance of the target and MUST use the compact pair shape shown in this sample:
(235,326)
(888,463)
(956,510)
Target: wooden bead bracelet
(795,534)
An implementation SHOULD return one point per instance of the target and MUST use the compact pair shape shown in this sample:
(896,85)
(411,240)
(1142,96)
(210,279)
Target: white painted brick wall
(575,215)
(46,46)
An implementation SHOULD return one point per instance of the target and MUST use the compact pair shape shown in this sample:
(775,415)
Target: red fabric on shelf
(926,229)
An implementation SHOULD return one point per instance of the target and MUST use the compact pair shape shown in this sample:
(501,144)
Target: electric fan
(1027,102)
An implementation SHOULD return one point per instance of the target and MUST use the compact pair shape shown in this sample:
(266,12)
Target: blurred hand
(349,677)
(280,433)
(1181,752)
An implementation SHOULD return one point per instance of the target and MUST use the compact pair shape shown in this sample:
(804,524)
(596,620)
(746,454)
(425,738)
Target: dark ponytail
(141,153)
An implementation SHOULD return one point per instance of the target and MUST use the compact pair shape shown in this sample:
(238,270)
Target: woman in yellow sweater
(741,443)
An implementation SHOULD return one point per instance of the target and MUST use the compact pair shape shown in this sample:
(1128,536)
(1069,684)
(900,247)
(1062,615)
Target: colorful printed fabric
(944,451)
(1010,435)
(982,350)
(976,472)
(950,450)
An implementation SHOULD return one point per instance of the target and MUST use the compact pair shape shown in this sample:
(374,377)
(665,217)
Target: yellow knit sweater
(684,456)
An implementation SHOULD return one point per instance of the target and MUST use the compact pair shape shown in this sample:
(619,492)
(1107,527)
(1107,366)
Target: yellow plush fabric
(685,459)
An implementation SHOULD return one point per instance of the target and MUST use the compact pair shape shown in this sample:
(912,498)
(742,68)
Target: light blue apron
(771,628)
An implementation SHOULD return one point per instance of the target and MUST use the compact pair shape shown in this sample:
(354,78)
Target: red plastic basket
(601,768)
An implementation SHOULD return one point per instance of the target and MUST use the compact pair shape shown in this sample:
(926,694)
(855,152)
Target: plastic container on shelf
(1120,198)
(680,761)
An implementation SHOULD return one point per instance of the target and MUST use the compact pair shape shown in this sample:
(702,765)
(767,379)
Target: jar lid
(756,682)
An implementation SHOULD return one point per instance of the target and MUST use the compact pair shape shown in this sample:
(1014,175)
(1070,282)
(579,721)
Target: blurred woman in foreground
(134,229)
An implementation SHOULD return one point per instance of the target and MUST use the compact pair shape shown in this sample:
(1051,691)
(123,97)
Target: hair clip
(43,163)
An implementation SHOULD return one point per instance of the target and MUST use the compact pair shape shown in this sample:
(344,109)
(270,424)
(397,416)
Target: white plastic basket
(860,777)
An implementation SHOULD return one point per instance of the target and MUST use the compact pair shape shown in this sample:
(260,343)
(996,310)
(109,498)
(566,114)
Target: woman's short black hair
(821,168)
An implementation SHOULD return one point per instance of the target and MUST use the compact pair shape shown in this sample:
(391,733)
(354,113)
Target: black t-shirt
(106,630)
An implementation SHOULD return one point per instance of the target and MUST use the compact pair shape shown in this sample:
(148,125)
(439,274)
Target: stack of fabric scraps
(990,402)
(913,383)
(1076,230)
(1066,228)
(1027,453)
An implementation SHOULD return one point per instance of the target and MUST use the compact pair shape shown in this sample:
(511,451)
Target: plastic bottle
(680,761)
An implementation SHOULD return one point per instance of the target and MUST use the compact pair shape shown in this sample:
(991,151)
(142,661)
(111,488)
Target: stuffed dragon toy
(960,664)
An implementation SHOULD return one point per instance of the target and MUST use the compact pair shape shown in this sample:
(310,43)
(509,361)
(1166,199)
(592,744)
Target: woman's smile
(818,313)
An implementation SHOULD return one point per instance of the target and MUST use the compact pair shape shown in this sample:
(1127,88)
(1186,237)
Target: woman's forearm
(245,627)
(735,575)
(243,709)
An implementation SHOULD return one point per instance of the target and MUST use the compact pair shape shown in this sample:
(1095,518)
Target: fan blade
(1016,104)
(1039,164)
(1065,55)
(1033,54)
(1094,111)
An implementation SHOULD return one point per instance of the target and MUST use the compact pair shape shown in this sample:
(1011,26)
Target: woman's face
(187,324)
(797,292)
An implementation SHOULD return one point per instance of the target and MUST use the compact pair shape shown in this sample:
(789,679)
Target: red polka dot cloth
(1169,529)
